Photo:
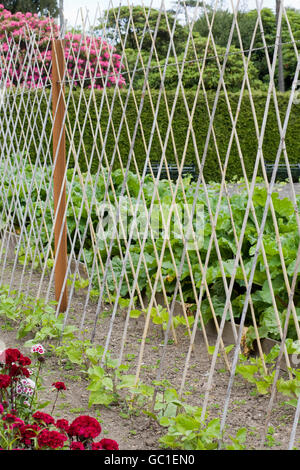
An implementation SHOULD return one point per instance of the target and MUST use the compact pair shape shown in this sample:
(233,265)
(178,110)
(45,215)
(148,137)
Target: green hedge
(99,109)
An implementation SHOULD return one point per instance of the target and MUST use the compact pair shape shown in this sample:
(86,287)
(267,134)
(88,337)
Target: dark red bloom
(15,371)
(85,427)
(12,420)
(97,446)
(59,386)
(109,444)
(77,446)
(62,424)
(9,417)
(25,372)
(51,439)
(5,380)
(24,361)
(17,423)
(28,432)
(43,418)
(10,355)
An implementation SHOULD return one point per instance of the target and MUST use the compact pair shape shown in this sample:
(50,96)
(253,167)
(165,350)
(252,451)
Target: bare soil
(137,431)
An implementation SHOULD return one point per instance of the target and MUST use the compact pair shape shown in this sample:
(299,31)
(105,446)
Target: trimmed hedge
(32,139)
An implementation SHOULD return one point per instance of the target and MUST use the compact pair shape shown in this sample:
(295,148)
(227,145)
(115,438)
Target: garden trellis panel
(179,255)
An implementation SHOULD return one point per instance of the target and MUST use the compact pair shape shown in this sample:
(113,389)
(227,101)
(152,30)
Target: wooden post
(59,185)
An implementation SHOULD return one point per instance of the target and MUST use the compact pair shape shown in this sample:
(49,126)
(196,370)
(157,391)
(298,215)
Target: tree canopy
(43,7)
(133,31)
(137,27)
(190,67)
(222,22)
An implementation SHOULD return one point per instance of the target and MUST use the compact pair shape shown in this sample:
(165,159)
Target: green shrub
(100,126)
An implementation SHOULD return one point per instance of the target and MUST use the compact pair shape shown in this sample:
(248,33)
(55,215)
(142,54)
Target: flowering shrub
(87,58)
(22,426)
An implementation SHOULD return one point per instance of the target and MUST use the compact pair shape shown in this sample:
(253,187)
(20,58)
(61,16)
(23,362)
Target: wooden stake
(59,185)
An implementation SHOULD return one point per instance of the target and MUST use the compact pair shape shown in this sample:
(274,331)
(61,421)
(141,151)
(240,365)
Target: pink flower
(37,348)
(81,51)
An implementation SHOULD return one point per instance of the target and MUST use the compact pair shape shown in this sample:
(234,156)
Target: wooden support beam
(59,184)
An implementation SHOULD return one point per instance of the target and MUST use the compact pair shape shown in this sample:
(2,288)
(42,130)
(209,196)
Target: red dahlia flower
(5,380)
(51,439)
(13,421)
(17,423)
(44,418)
(97,446)
(24,361)
(10,355)
(15,370)
(28,432)
(85,427)
(62,424)
(9,417)
(77,446)
(59,386)
(109,444)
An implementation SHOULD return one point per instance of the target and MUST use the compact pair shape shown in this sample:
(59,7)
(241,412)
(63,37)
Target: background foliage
(44,7)
(150,27)
(88,142)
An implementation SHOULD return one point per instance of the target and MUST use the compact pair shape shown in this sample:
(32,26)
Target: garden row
(32,201)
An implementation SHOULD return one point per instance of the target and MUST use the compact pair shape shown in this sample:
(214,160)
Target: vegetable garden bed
(227,229)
